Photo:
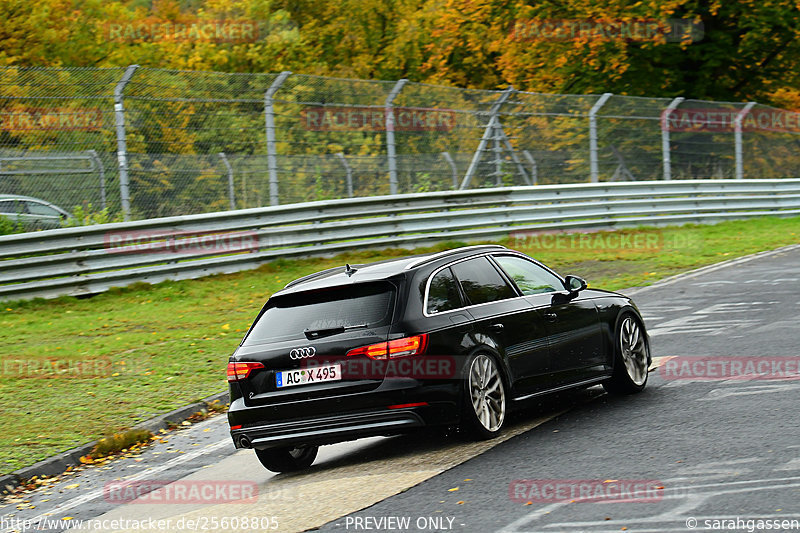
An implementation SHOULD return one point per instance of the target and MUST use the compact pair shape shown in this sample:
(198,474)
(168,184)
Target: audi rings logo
(303,353)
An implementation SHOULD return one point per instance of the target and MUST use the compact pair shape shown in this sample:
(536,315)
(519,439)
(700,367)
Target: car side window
(481,281)
(10,206)
(36,208)
(529,277)
(443,293)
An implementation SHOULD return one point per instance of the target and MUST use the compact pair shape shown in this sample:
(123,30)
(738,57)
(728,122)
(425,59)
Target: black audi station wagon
(454,338)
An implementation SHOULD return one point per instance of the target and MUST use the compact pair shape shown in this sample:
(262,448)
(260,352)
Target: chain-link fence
(147,142)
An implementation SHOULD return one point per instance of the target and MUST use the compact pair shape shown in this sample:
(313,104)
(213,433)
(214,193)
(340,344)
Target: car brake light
(238,371)
(404,347)
(239,426)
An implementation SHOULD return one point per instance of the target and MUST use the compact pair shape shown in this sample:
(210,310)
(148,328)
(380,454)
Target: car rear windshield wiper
(326,332)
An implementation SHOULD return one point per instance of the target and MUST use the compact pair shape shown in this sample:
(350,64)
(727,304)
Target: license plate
(319,374)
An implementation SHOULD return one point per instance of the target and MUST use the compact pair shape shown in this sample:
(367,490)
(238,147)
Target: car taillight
(237,371)
(404,347)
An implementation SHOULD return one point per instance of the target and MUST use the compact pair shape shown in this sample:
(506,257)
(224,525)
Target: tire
(485,403)
(631,358)
(287,459)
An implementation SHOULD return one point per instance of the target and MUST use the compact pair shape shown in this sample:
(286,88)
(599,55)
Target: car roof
(360,273)
(21,197)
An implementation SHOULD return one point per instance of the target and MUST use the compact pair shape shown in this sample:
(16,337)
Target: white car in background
(32,213)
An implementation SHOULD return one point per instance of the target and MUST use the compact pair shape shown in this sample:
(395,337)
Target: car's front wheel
(287,459)
(485,398)
(631,358)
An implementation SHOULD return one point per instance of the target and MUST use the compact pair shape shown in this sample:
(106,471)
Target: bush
(85,216)
(8,226)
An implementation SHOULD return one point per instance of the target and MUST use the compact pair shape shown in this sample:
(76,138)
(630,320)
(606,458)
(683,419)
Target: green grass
(147,349)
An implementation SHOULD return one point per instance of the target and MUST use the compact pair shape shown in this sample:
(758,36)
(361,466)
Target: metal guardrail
(91,259)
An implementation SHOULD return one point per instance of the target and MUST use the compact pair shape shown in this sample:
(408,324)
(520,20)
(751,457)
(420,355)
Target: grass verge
(76,370)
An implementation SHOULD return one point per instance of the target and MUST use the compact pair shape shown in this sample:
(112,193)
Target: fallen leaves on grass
(133,438)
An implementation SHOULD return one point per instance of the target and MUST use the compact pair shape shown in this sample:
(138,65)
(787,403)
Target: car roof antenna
(349,270)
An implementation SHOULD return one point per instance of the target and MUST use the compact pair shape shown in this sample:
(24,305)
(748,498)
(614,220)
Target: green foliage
(86,216)
(8,226)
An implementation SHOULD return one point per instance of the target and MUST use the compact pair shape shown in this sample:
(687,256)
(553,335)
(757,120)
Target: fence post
(534,168)
(738,138)
(349,173)
(488,134)
(594,172)
(390,148)
(102,171)
(665,150)
(122,143)
(453,168)
(269,119)
(230,179)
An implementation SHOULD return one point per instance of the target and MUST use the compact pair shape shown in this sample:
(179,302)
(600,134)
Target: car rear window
(289,317)
(41,209)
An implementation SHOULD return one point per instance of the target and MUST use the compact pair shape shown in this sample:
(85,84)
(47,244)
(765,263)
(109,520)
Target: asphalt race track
(702,449)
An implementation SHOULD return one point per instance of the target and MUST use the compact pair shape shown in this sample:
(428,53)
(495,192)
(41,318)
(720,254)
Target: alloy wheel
(487,393)
(634,350)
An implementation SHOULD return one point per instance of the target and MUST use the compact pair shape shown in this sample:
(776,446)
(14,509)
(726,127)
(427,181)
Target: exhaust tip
(244,442)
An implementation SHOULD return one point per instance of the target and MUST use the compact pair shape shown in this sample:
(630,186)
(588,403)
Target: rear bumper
(327,430)
(340,418)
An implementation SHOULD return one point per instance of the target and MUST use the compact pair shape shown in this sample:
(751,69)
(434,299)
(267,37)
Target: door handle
(550,317)
(497,328)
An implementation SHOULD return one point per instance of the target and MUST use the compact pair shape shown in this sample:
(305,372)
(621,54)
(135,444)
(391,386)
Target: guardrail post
(594,172)
(665,150)
(488,134)
(102,171)
(122,143)
(534,168)
(737,124)
(390,148)
(229,168)
(453,168)
(269,119)
(348,173)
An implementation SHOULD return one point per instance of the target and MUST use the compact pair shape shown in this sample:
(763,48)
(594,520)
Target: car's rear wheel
(632,357)
(484,398)
(287,459)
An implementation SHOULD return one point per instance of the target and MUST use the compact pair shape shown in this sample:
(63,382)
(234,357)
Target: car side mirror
(575,284)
